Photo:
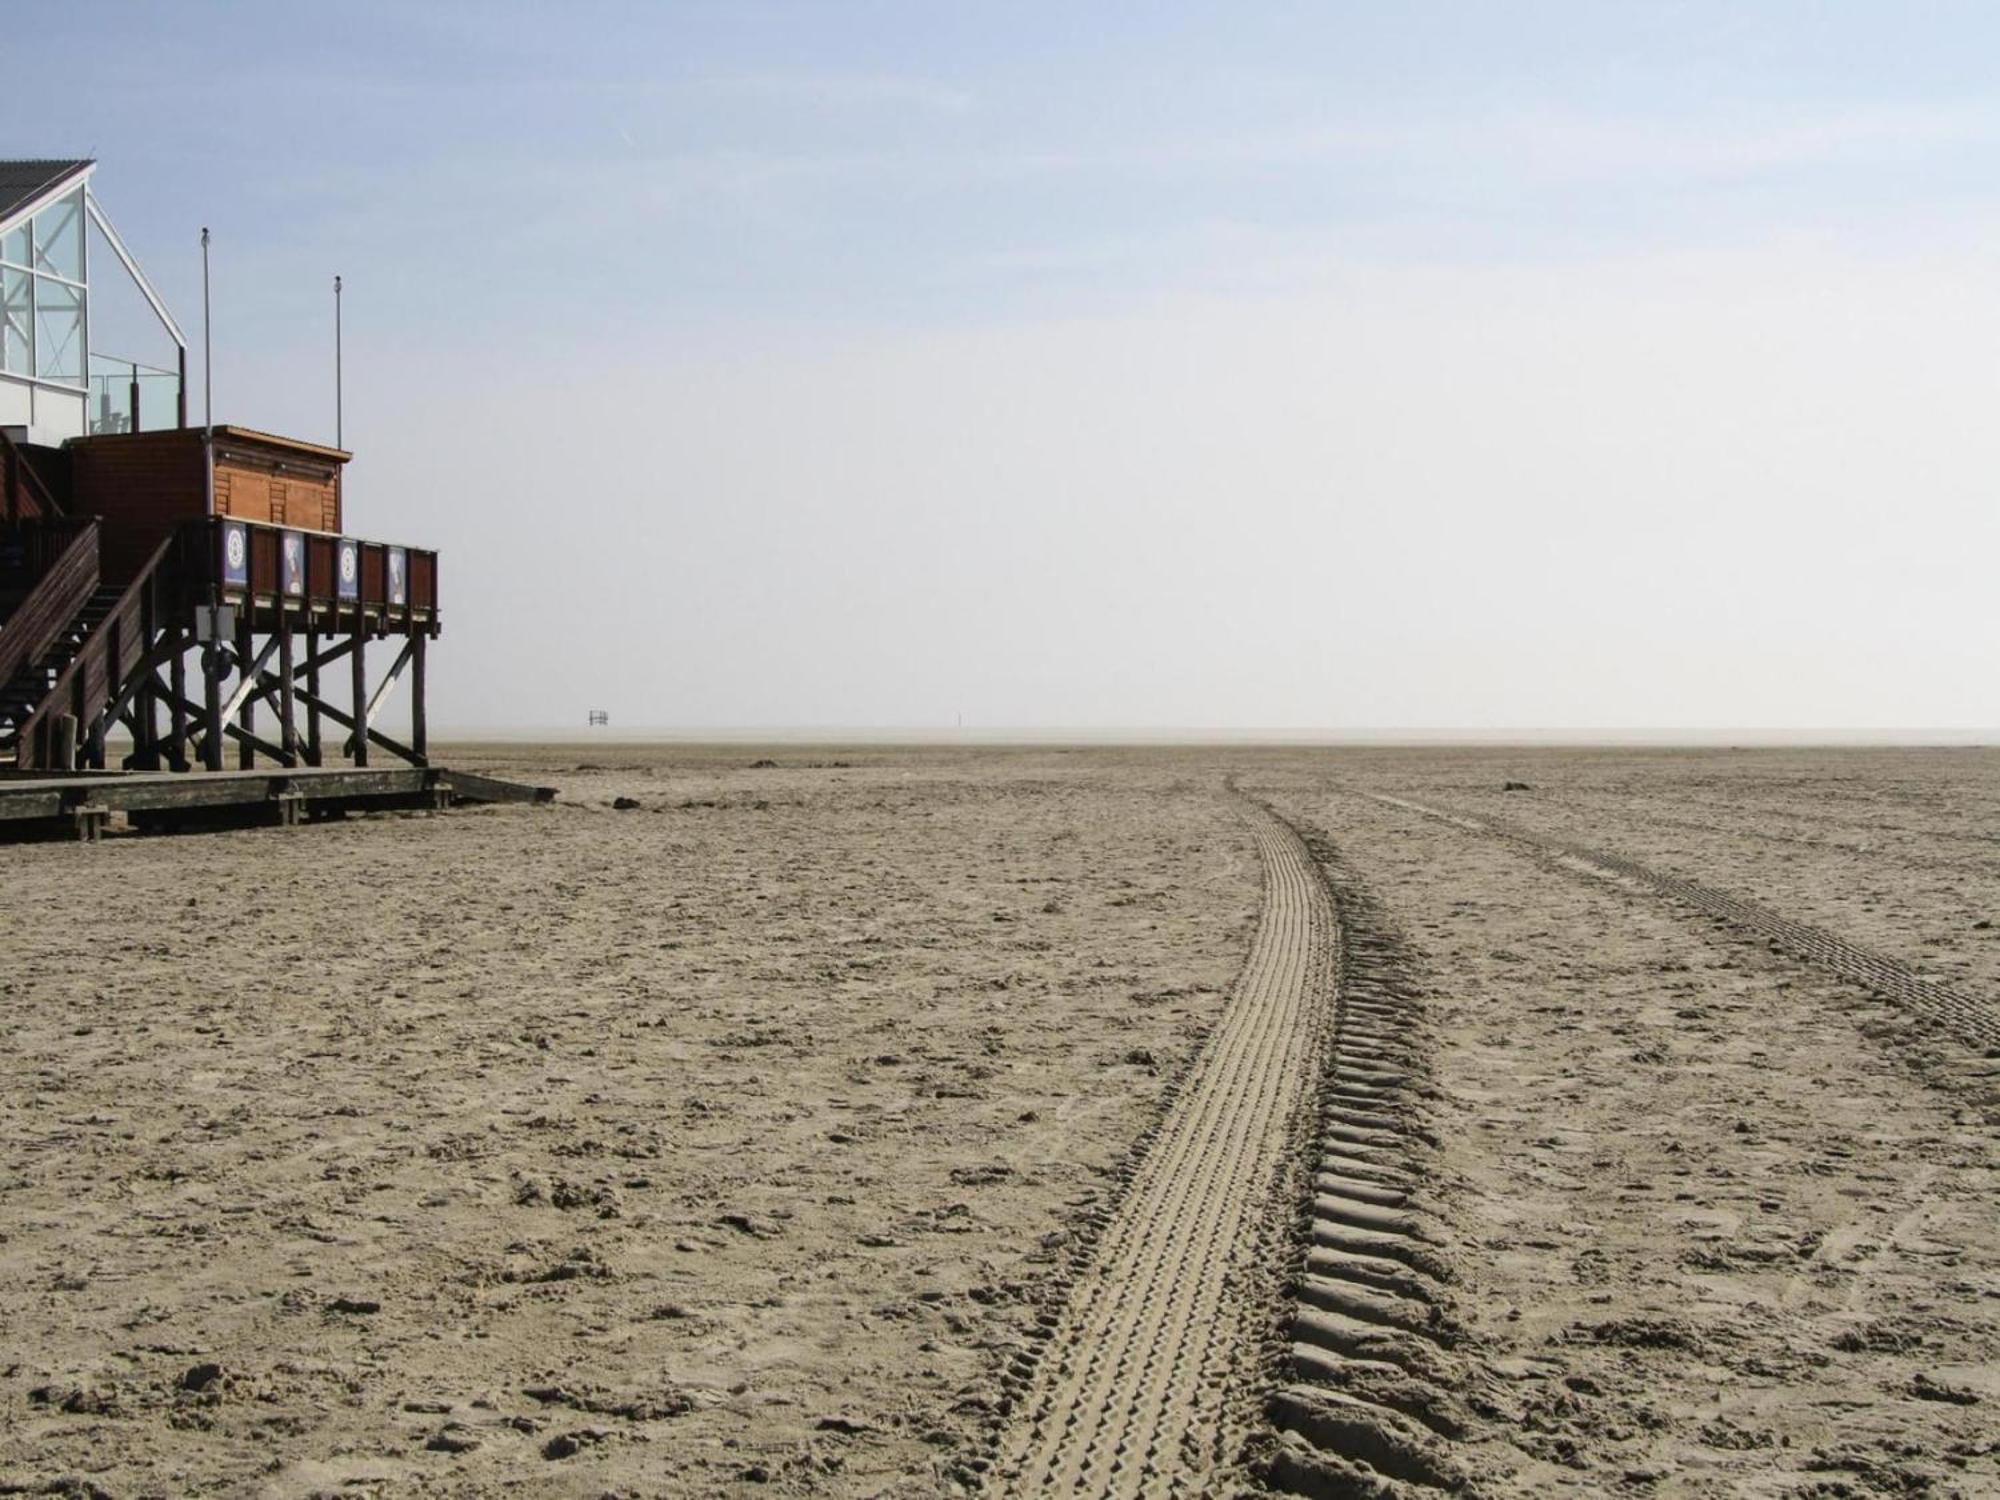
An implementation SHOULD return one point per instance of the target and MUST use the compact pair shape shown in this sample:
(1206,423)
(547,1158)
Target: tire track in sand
(1148,1380)
(1369,1403)
(1971,1019)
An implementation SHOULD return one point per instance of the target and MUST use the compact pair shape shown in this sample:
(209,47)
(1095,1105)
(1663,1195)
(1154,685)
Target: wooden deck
(79,805)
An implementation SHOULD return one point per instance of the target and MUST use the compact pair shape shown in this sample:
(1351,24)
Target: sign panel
(292,563)
(349,581)
(235,556)
(399,576)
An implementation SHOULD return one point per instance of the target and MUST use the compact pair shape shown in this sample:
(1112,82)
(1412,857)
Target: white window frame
(80,186)
(91,212)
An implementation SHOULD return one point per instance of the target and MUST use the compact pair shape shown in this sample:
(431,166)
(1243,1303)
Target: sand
(745,1140)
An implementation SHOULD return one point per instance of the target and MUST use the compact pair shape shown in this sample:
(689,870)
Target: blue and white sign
(399,576)
(235,555)
(292,563)
(349,581)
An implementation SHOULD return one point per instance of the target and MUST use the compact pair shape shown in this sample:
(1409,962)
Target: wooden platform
(79,805)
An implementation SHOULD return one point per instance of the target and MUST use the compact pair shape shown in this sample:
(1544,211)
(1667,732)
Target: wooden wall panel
(143,485)
(255,493)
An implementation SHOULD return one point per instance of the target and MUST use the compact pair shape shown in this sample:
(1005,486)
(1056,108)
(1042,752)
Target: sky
(1311,367)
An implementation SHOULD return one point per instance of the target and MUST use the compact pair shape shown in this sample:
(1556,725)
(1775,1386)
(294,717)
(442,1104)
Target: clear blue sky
(1259,364)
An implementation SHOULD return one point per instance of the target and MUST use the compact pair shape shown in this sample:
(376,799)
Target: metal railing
(129,395)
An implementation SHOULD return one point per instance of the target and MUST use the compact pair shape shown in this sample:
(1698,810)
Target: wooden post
(63,757)
(177,680)
(312,696)
(359,657)
(145,710)
(246,753)
(79,736)
(92,716)
(420,737)
(145,750)
(211,734)
(289,731)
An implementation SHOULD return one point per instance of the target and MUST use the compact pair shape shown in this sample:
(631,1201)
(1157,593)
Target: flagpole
(207,380)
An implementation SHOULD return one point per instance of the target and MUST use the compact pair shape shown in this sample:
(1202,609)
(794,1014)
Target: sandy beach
(753,1136)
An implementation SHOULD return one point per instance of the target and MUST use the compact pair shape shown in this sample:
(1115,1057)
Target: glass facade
(58,331)
(46,325)
(127,396)
(42,296)
(17,322)
(59,238)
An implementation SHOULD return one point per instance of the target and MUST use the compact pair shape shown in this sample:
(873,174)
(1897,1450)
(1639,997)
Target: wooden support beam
(312,701)
(476,788)
(214,662)
(315,658)
(269,687)
(236,732)
(420,737)
(95,724)
(240,702)
(252,742)
(387,685)
(176,752)
(246,682)
(177,713)
(357,743)
(146,726)
(288,735)
(140,681)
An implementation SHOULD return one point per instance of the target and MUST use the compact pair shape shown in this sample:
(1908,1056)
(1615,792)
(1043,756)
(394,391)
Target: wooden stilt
(177,717)
(213,665)
(288,729)
(90,719)
(420,737)
(267,685)
(312,697)
(359,660)
(246,716)
(145,717)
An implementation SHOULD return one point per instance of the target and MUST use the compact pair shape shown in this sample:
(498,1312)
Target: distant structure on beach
(165,578)
(600,718)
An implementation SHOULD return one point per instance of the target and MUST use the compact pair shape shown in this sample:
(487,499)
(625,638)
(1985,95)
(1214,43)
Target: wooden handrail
(41,618)
(23,496)
(90,684)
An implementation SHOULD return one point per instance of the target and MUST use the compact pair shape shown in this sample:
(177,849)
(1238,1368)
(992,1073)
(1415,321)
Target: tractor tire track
(1146,1383)
(1368,1396)
(1972,1020)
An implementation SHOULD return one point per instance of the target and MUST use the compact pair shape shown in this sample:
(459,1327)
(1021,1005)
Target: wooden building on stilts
(176,598)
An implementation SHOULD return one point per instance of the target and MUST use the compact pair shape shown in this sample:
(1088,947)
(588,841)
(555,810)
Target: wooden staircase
(225,620)
(33,681)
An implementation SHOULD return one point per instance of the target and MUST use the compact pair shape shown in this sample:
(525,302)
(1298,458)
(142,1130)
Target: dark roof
(21,182)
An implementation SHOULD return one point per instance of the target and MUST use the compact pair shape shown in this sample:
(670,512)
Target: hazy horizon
(1272,369)
(1608,737)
